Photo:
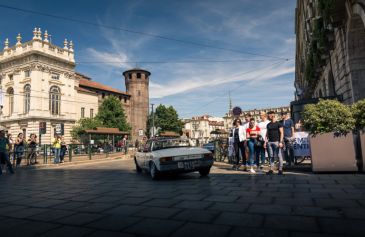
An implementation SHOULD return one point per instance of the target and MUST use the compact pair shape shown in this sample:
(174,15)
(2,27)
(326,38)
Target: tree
(111,114)
(83,124)
(166,119)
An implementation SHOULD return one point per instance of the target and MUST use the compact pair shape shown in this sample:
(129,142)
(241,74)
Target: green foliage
(83,124)
(111,114)
(328,116)
(358,110)
(166,119)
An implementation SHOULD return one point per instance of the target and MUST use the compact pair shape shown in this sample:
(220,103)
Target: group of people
(252,140)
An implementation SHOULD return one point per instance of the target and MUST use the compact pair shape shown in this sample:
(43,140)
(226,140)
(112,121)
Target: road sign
(236,111)
(140,132)
(42,127)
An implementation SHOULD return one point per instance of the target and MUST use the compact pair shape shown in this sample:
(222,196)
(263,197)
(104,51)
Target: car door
(146,154)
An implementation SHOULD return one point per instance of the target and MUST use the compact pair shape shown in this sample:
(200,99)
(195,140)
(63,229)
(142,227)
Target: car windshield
(170,143)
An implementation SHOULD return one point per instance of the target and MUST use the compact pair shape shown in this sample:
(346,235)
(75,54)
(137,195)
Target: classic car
(172,155)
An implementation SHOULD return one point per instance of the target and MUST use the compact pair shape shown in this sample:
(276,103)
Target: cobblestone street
(110,199)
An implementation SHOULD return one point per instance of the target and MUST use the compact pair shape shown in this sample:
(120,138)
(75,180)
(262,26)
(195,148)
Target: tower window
(11,77)
(138,75)
(103,95)
(130,75)
(139,93)
(125,100)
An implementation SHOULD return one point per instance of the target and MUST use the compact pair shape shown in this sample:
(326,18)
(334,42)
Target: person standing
(4,155)
(32,146)
(260,150)
(274,142)
(19,149)
(57,149)
(63,149)
(252,133)
(239,137)
(288,127)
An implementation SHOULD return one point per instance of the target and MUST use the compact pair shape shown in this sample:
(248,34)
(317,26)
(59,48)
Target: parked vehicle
(209,146)
(172,155)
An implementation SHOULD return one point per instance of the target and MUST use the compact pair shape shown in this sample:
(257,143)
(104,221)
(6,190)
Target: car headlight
(166,159)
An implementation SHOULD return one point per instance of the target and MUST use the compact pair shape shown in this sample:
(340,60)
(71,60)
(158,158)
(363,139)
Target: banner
(301,144)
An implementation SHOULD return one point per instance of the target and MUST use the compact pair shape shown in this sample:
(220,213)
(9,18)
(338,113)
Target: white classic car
(172,155)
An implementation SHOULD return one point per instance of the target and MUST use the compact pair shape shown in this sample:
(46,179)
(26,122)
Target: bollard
(70,153)
(89,151)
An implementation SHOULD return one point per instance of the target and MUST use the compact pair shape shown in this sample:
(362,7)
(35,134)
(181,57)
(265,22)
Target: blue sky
(260,27)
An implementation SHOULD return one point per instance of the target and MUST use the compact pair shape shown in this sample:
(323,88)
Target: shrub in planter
(359,114)
(328,116)
(332,149)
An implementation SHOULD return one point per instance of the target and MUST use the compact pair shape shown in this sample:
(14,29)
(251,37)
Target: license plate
(190,165)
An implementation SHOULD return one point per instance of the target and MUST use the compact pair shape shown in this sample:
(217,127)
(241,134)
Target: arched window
(11,100)
(55,100)
(26,98)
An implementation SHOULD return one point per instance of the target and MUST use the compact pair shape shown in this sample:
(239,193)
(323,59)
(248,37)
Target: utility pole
(153,122)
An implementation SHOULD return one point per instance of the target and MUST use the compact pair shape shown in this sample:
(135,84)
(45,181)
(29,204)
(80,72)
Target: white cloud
(111,59)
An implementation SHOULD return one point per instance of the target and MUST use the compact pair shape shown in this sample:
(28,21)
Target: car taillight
(165,159)
(208,156)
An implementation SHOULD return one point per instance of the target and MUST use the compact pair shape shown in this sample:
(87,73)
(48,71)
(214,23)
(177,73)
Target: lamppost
(153,122)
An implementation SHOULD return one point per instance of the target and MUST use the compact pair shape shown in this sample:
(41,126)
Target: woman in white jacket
(239,138)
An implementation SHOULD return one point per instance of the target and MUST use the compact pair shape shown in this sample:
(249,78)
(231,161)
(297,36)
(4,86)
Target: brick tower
(136,83)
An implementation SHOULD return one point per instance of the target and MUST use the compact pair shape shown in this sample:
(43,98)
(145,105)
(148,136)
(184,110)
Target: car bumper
(186,166)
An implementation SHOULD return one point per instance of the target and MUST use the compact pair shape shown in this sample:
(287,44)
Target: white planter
(333,154)
(362,139)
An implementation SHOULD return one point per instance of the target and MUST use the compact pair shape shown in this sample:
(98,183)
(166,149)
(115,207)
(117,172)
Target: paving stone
(157,212)
(295,223)
(194,204)
(204,216)
(69,231)
(294,201)
(79,219)
(233,207)
(133,200)
(239,219)
(70,205)
(158,202)
(47,203)
(342,227)
(317,211)
(114,222)
(270,209)
(104,233)
(125,210)
(29,228)
(24,213)
(195,229)
(154,227)
(255,200)
(96,207)
(221,198)
(51,215)
(191,197)
(354,213)
(336,203)
(257,232)
(306,234)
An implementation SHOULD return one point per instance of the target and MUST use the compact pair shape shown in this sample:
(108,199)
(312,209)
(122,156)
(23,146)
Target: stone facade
(341,69)
(200,127)
(38,83)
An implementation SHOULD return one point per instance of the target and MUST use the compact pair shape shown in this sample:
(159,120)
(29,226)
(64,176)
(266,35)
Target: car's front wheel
(204,172)
(138,168)
(153,171)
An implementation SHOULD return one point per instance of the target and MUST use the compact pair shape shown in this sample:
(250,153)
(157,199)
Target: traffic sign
(236,111)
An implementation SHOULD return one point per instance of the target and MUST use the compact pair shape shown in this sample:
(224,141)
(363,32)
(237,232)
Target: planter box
(333,154)
(362,139)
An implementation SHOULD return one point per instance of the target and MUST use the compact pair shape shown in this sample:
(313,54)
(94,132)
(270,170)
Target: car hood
(180,151)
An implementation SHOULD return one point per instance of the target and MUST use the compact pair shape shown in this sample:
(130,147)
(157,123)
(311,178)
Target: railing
(44,154)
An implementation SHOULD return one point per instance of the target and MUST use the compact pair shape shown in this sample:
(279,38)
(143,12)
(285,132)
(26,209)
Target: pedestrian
(260,149)
(252,133)
(288,127)
(10,147)
(63,149)
(32,145)
(125,144)
(245,125)
(19,149)
(57,149)
(4,151)
(239,137)
(274,142)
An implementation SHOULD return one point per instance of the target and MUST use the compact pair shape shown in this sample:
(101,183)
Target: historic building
(330,49)
(201,127)
(38,83)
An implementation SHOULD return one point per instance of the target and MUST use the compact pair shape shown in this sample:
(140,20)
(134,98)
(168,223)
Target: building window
(27,73)
(138,75)
(130,75)
(11,100)
(11,77)
(139,93)
(26,98)
(120,97)
(55,76)
(55,100)
(91,113)
(82,112)
(125,100)
(103,95)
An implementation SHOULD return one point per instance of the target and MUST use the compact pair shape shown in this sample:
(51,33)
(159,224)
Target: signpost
(59,129)
(42,130)
(236,111)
